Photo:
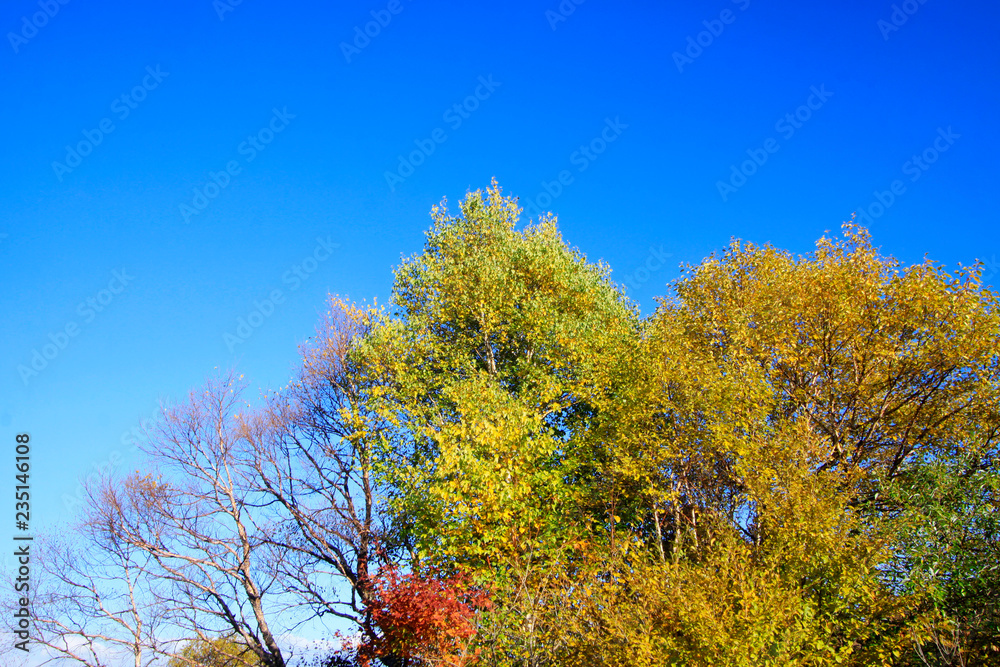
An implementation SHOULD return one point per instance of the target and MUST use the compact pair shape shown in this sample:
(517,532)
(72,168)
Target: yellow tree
(778,395)
(218,652)
(711,474)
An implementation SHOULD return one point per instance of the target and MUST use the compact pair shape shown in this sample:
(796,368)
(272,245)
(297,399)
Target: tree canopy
(791,461)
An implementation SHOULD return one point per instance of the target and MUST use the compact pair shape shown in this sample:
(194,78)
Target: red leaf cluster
(423,619)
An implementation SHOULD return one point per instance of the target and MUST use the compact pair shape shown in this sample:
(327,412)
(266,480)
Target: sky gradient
(183,184)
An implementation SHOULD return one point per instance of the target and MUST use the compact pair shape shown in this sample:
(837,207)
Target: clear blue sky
(642,124)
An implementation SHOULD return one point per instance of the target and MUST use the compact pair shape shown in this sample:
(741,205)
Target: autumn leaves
(511,465)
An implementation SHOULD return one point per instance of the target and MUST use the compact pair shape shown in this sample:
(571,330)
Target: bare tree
(313,452)
(91,599)
(247,522)
(196,522)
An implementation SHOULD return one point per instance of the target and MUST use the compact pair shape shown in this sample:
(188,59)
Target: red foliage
(424,620)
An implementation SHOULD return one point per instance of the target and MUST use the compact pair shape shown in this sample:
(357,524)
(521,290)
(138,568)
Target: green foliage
(945,516)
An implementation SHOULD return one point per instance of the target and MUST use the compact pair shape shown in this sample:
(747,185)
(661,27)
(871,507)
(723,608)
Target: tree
(945,516)
(197,523)
(793,461)
(490,373)
(251,521)
(423,619)
(743,434)
(778,398)
(91,599)
(218,652)
(490,370)
(311,454)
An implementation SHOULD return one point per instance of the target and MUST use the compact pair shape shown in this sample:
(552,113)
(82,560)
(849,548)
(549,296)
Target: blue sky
(170,170)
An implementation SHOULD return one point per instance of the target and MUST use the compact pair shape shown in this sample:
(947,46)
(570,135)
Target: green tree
(945,515)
